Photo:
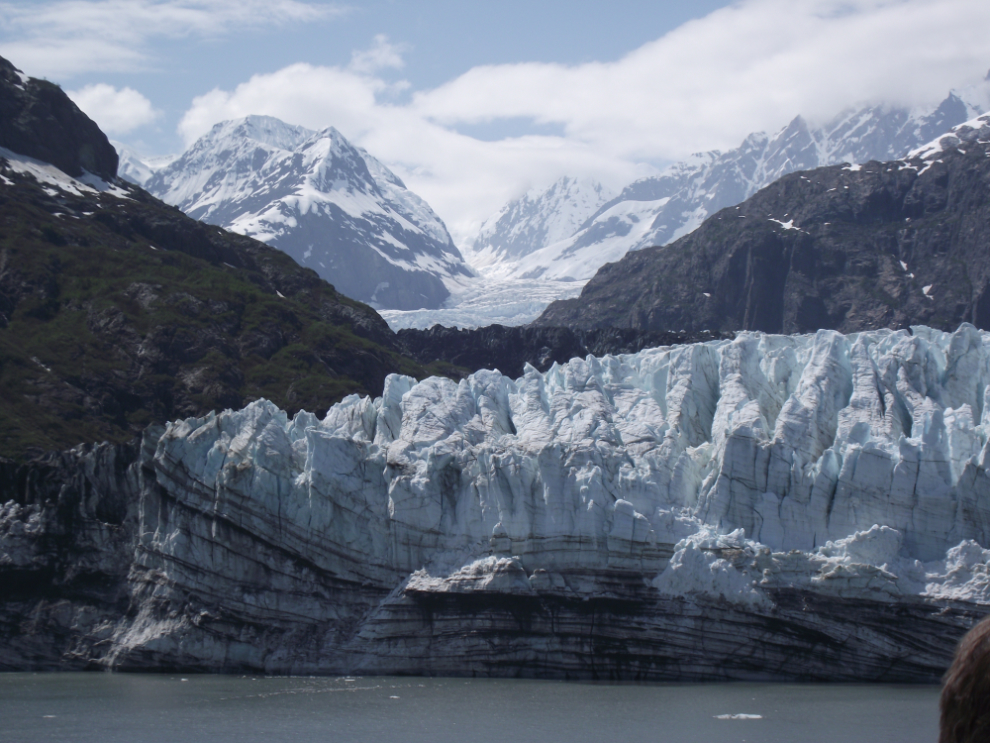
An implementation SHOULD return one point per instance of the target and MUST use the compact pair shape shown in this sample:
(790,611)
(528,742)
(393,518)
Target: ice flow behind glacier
(839,463)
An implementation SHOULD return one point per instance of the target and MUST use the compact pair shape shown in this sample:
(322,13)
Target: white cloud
(68,37)
(381,56)
(115,111)
(743,68)
(747,67)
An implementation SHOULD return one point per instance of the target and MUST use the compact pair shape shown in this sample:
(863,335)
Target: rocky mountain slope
(328,204)
(657,210)
(846,247)
(38,120)
(117,310)
(765,508)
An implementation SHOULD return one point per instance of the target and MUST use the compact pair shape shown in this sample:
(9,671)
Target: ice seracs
(867,450)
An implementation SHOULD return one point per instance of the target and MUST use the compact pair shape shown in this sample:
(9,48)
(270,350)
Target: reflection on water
(216,709)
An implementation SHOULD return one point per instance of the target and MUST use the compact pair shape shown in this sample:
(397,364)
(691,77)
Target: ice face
(841,463)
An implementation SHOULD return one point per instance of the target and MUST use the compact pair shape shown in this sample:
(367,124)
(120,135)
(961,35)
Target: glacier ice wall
(775,443)
(811,507)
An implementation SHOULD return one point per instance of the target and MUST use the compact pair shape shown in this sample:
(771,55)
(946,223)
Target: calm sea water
(134,708)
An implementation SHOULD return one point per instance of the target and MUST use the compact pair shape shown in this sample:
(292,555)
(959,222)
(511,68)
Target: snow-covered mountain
(136,168)
(330,205)
(659,209)
(540,217)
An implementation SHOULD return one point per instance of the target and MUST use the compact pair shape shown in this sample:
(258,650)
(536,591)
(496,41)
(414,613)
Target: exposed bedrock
(770,507)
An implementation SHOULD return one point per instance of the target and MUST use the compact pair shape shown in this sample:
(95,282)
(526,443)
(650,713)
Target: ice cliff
(766,507)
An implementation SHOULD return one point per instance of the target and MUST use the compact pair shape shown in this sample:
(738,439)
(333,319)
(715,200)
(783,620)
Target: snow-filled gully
(824,496)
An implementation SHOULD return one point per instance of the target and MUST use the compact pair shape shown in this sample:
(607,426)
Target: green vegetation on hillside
(119,312)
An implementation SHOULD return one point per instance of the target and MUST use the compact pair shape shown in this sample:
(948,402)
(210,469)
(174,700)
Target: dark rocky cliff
(38,120)
(849,248)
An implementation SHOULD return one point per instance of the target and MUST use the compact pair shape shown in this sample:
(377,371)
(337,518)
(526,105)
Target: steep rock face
(770,507)
(847,247)
(323,201)
(37,119)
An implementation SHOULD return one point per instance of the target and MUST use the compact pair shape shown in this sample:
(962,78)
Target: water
(138,708)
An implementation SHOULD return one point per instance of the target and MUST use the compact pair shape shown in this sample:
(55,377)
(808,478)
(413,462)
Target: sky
(474,103)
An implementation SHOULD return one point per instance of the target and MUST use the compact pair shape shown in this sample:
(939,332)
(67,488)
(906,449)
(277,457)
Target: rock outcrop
(770,507)
(39,120)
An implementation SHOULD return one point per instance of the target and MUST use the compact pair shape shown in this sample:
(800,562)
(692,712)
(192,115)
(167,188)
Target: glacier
(766,507)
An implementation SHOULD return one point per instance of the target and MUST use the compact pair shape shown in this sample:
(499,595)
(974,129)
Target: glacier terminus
(768,507)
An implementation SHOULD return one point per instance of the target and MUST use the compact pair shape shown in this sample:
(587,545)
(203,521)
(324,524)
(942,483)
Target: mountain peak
(266,130)
(327,203)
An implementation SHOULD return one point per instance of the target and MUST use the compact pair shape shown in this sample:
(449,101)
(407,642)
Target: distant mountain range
(848,247)
(328,204)
(660,209)
(137,168)
(334,208)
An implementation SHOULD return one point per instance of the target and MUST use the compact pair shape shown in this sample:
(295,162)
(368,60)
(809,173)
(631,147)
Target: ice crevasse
(850,464)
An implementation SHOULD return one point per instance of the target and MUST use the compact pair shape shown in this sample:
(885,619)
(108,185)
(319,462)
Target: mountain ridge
(845,247)
(659,209)
(118,311)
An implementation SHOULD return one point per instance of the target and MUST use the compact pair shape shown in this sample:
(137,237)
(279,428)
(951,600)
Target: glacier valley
(770,507)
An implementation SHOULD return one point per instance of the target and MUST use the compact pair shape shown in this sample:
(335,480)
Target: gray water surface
(134,708)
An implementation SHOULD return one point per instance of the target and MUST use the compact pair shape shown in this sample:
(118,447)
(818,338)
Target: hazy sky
(472,103)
